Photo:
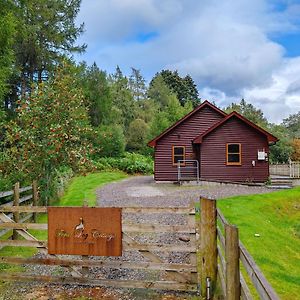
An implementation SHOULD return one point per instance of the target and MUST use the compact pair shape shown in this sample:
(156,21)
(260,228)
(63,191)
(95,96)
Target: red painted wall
(182,135)
(213,154)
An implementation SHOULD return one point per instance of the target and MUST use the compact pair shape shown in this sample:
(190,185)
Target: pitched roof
(152,143)
(271,138)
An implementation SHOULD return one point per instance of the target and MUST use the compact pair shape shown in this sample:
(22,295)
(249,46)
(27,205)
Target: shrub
(108,141)
(53,187)
(131,163)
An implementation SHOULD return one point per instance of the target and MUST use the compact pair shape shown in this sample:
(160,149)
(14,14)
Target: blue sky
(233,49)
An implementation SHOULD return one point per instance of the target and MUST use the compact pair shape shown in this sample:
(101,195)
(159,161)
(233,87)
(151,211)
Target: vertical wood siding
(213,154)
(182,135)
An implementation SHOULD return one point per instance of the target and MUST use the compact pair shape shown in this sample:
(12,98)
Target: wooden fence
(222,257)
(170,276)
(292,169)
(27,195)
(236,268)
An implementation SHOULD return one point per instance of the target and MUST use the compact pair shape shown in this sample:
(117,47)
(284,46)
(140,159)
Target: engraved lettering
(62,233)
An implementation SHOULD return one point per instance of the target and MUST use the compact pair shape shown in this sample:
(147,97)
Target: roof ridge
(270,137)
(152,143)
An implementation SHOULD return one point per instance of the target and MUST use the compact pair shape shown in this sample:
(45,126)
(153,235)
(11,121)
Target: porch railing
(188,169)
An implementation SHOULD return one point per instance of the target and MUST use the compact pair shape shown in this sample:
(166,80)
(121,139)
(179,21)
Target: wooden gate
(166,274)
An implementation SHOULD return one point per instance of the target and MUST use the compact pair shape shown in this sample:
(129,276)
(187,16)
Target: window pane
(234,158)
(233,148)
(178,150)
(177,158)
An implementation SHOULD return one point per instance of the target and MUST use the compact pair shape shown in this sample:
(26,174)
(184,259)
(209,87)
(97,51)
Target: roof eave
(152,143)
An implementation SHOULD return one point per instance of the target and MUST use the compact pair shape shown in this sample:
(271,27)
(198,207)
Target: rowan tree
(50,130)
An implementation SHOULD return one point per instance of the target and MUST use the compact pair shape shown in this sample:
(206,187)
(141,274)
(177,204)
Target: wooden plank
(221,218)
(16,202)
(4,231)
(25,189)
(208,250)
(100,263)
(157,228)
(221,238)
(222,260)
(26,226)
(25,198)
(29,237)
(159,247)
(154,258)
(261,284)
(233,287)
(35,198)
(26,235)
(245,291)
(222,280)
(159,285)
(6,194)
(24,209)
(160,210)
(23,243)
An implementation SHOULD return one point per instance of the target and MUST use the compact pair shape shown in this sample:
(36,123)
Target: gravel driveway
(143,191)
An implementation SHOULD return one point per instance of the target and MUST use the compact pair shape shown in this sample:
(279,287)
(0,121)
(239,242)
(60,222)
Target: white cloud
(282,97)
(224,45)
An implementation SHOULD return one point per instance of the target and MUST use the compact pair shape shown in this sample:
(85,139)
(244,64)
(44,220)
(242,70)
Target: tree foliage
(50,130)
(296,149)
(97,95)
(292,124)
(122,98)
(46,34)
(184,87)
(108,141)
(137,135)
(248,111)
(7,35)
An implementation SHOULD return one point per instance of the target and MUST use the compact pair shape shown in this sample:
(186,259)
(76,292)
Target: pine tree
(137,85)
(46,35)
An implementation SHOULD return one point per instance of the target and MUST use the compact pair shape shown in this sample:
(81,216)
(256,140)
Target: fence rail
(291,169)
(20,197)
(169,276)
(243,258)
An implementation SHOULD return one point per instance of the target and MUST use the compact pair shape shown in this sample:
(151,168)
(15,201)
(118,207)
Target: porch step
(281,182)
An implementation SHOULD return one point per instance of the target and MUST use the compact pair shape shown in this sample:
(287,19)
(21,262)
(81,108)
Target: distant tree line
(58,114)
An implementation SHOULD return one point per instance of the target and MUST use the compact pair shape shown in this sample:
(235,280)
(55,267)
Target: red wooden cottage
(214,146)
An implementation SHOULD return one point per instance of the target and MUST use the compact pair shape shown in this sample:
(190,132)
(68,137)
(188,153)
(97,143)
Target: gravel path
(143,191)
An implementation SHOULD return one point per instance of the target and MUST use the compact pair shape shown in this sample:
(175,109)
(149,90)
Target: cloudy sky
(233,49)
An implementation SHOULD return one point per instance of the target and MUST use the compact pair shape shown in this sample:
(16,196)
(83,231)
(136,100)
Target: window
(178,154)
(233,154)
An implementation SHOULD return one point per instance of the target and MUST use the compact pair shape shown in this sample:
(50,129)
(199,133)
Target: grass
(83,188)
(276,218)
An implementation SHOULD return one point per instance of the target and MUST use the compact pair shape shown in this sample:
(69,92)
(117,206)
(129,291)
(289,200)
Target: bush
(108,141)
(53,187)
(131,163)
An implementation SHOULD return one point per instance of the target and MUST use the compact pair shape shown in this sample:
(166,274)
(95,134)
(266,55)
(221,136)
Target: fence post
(232,254)
(208,247)
(34,198)
(16,202)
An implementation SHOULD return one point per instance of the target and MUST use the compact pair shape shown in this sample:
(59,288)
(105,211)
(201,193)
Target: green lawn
(276,218)
(83,188)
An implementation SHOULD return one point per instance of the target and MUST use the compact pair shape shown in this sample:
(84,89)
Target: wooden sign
(85,231)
